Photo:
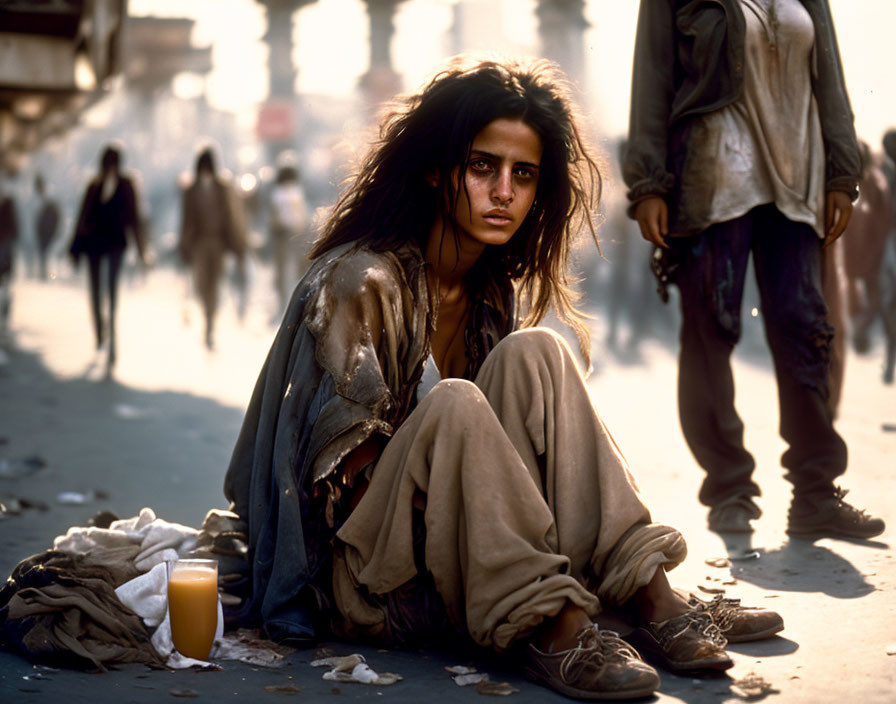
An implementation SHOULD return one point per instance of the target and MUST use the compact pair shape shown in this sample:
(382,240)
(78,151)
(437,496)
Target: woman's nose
(502,190)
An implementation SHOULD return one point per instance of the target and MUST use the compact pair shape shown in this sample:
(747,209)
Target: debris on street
(496,689)
(752,688)
(353,668)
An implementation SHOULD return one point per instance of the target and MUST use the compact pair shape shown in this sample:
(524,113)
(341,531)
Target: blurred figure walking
(9,235)
(107,222)
(853,272)
(212,225)
(888,266)
(46,224)
(288,226)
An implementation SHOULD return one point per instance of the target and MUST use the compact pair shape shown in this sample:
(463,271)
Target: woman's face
(500,180)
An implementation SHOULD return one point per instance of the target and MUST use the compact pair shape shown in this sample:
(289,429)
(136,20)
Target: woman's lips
(497,218)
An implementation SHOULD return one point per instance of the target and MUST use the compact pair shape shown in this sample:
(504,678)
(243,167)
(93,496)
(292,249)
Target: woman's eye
(524,172)
(480,165)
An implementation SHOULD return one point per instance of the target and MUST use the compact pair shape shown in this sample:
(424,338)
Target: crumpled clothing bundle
(100,596)
(144,539)
(56,608)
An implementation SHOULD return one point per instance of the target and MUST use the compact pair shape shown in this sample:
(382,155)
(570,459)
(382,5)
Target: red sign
(275,121)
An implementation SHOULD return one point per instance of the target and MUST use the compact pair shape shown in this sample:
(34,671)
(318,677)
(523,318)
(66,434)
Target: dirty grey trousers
(527,503)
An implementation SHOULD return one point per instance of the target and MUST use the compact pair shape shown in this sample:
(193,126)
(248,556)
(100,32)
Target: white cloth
(767,146)
(157,540)
(147,596)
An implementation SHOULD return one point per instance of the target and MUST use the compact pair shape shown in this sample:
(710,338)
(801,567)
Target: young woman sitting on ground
(418,457)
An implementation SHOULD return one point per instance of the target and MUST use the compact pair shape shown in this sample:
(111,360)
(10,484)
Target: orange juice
(193,606)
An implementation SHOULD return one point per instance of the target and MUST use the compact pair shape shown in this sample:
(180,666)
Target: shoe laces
(721,610)
(698,621)
(857,513)
(595,648)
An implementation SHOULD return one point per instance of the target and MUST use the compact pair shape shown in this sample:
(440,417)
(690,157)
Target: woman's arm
(843,166)
(363,318)
(133,221)
(653,86)
(84,216)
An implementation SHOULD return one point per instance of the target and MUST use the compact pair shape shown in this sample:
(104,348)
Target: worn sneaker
(734,515)
(831,516)
(737,623)
(687,643)
(601,666)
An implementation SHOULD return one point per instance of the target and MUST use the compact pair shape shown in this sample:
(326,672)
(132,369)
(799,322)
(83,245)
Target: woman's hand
(652,215)
(837,210)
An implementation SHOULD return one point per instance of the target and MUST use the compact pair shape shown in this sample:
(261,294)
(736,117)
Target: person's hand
(652,215)
(837,209)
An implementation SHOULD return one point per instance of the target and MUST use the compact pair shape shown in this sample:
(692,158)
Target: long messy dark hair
(430,133)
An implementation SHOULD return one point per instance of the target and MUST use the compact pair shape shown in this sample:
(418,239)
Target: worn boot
(601,666)
(828,515)
(737,623)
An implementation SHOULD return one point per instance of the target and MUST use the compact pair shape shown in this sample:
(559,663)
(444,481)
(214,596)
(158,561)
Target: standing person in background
(9,235)
(46,224)
(212,225)
(107,222)
(741,141)
(288,226)
(888,267)
(852,269)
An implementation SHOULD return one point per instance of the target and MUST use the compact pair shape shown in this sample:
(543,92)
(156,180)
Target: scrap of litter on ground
(752,688)
(464,676)
(353,668)
(282,689)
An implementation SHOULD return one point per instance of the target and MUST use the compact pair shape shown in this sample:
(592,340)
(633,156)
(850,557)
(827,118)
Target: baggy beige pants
(528,502)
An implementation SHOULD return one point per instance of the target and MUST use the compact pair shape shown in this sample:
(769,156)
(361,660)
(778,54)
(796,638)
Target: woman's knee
(455,394)
(539,341)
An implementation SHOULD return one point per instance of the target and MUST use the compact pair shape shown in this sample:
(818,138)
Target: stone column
(561,26)
(381,81)
(278,113)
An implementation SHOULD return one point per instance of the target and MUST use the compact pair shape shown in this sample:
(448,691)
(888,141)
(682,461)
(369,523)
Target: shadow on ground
(77,446)
(798,566)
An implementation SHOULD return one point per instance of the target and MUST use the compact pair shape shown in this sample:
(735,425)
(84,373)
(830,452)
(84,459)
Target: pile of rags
(96,599)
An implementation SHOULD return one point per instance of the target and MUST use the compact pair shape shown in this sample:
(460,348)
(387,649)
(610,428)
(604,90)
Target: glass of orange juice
(193,605)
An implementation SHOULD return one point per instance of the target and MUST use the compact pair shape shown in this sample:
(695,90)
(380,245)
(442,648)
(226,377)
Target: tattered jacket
(323,390)
(689,60)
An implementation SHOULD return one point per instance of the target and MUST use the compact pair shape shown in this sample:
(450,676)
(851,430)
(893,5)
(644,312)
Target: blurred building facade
(56,57)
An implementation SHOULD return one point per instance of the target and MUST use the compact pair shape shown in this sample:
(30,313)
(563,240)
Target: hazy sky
(331,46)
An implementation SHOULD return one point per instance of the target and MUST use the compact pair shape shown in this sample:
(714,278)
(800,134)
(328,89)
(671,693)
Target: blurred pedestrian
(888,267)
(853,270)
(863,249)
(9,235)
(742,142)
(288,227)
(212,225)
(46,224)
(107,222)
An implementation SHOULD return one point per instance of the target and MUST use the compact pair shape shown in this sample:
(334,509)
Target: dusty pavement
(159,433)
